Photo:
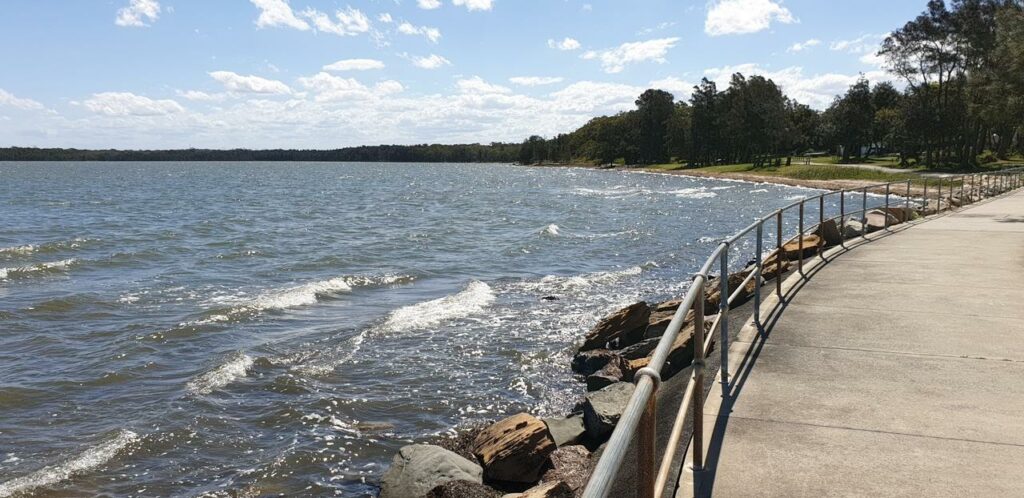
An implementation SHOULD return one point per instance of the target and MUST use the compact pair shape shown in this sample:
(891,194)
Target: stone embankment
(529,457)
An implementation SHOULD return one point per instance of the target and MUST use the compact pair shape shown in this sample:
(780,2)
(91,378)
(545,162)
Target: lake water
(215,329)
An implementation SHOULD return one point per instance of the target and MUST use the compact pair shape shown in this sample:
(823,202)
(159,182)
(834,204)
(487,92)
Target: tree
(654,109)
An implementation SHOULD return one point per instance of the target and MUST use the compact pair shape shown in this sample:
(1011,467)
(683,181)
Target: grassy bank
(795,172)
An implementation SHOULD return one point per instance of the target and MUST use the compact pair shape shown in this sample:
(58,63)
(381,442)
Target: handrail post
(757,279)
(907,207)
(963,180)
(821,221)
(778,258)
(723,320)
(698,385)
(924,198)
(800,239)
(864,213)
(647,439)
(887,187)
(842,214)
(938,199)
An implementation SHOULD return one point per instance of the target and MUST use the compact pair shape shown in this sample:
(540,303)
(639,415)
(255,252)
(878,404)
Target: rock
(852,228)
(901,213)
(570,465)
(713,297)
(667,306)
(462,489)
(565,431)
(770,268)
(557,489)
(611,373)
(589,362)
(514,449)
(791,249)
(679,357)
(603,408)
(877,220)
(549,298)
(640,349)
(419,468)
(658,323)
(829,232)
(626,325)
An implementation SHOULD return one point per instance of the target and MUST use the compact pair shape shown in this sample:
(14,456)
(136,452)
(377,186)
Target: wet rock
(625,326)
(570,465)
(565,431)
(419,468)
(589,362)
(514,449)
(603,408)
(462,489)
(829,232)
(546,490)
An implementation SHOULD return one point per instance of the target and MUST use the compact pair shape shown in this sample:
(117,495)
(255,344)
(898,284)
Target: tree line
(958,100)
(961,66)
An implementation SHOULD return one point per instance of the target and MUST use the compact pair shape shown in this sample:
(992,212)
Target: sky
(160,74)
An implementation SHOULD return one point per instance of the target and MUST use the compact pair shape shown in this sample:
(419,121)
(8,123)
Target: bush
(987,157)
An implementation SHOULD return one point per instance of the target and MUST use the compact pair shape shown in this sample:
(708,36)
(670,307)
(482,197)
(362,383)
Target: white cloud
(330,88)
(277,13)
(476,85)
(428,4)
(350,22)
(234,82)
(566,44)
(385,18)
(615,60)
(680,88)
(816,91)
(860,45)
(736,17)
(432,34)
(129,104)
(474,4)
(535,80)
(801,46)
(8,99)
(199,96)
(137,13)
(354,65)
(432,61)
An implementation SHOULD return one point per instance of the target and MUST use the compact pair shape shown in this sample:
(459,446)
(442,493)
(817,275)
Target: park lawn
(811,172)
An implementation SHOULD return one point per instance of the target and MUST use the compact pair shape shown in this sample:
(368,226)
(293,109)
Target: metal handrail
(640,412)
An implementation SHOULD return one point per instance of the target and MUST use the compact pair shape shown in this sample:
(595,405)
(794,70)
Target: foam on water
(692,193)
(90,459)
(20,250)
(553,284)
(7,273)
(473,299)
(221,376)
(550,230)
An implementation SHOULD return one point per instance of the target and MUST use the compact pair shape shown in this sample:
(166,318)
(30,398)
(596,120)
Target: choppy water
(186,329)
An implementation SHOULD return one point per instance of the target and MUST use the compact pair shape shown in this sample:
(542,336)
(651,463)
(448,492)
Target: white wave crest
(6,273)
(551,230)
(693,193)
(553,284)
(20,250)
(221,376)
(90,459)
(472,300)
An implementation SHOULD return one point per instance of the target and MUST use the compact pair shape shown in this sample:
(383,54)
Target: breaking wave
(623,191)
(553,284)
(221,376)
(90,459)
(25,271)
(27,249)
(551,230)
(473,299)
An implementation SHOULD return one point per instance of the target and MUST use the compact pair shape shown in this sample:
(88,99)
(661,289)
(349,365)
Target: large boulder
(852,229)
(713,298)
(625,327)
(419,468)
(876,220)
(570,465)
(829,232)
(603,408)
(462,489)
(589,362)
(811,243)
(514,449)
(613,372)
(680,355)
(565,431)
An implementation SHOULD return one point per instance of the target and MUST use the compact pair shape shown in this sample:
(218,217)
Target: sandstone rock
(829,232)
(877,220)
(713,297)
(626,325)
(603,408)
(419,468)
(565,431)
(640,349)
(547,490)
(852,228)
(589,362)
(570,465)
(667,306)
(658,323)
(679,357)
(462,489)
(514,449)
(791,249)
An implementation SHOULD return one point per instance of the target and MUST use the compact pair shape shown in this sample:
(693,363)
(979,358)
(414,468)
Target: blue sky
(325,73)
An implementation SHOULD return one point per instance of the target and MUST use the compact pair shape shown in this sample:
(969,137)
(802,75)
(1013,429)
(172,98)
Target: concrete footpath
(895,369)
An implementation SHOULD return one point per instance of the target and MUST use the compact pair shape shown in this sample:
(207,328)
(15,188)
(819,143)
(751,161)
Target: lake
(214,329)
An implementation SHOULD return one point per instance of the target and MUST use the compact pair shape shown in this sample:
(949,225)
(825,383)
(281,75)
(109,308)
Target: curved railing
(639,417)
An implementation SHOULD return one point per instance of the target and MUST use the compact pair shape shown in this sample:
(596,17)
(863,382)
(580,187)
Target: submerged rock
(419,468)
(625,326)
(514,449)
(603,409)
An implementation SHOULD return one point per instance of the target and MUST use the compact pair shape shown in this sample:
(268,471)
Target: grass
(800,172)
